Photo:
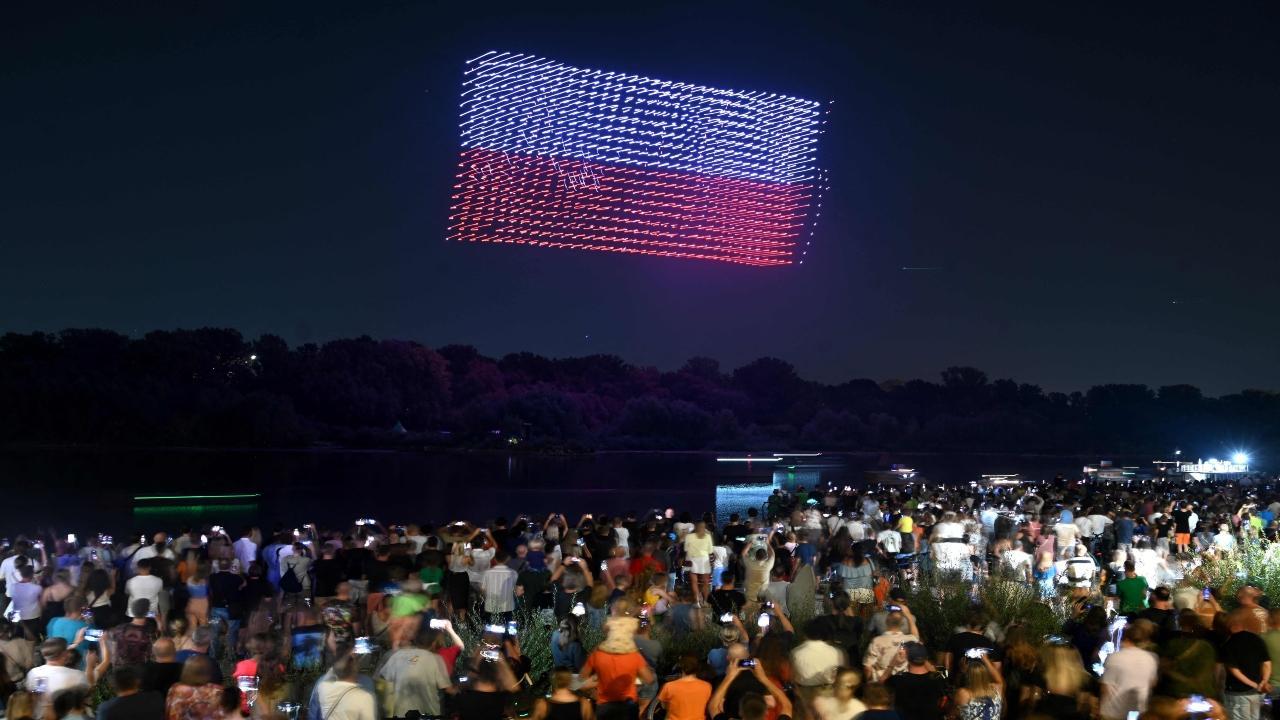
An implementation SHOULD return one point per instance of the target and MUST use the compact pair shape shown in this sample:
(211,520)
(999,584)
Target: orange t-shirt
(617,674)
(686,698)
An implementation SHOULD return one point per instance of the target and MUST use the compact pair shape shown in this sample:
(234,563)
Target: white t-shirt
(416,676)
(149,551)
(480,561)
(891,540)
(857,531)
(720,556)
(1131,672)
(246,552)
(1085,524)
(342,700)
(1016,561)
(828,708)
(26,600)
(9,568)
(624,539)
(50,679)
(1100,523)
(144,586)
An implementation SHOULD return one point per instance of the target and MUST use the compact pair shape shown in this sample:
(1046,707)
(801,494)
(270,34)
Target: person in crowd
(566,646)
(339,695)
(842,703)
(1132,590)
(415,677)
(697,554)
(980,695)
(55,674)
(919,690)
(958,653)
(132,701)
(1188,662)
(750,705)
(616,665)
(884,656)
(131,643)
(71,704)
(562,703)
(879,701)
(686,697)
(195,696)
(1247,663)
(162,670)
(1130,673)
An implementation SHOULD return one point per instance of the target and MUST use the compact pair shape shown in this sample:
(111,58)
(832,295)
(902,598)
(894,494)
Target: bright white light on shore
(253,357)
(1240,458)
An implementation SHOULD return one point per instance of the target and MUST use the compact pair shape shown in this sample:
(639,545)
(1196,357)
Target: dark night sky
(286,167)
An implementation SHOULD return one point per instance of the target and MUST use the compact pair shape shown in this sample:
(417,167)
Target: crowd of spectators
(806,599)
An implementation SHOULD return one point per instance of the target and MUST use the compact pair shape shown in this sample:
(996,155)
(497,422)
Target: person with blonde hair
(22,704)
(1065,680)
(981,696)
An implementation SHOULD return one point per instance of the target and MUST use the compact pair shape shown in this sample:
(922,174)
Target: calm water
(89,490)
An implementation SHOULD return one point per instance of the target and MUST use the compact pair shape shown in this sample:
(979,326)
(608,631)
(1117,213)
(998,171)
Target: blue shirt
(718,659)
(66,628)
(1124,531)
(570,656)
(806,552)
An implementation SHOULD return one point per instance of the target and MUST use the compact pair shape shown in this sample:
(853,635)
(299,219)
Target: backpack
(908,543)
(289,581)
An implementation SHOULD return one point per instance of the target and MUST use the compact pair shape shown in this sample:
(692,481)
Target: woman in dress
(697,554)
(950,551)
(858,578)
(981,696)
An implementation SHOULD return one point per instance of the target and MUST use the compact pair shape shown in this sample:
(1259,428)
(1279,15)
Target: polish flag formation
(563,157)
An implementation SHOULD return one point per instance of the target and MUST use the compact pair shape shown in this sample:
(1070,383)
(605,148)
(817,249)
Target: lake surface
(82,491)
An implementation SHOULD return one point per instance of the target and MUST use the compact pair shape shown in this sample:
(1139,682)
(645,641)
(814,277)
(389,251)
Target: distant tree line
(212,387)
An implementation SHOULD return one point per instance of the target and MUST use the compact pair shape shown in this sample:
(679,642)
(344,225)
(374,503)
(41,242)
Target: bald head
(163,650)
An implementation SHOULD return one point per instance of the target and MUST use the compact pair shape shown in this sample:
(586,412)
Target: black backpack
(289,581)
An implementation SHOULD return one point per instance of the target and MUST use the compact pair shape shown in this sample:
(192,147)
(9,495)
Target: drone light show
(562,157)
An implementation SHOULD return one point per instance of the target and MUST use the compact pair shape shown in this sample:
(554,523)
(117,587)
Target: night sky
(1098,186)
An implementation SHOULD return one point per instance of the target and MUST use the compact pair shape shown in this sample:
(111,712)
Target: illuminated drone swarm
(558,156)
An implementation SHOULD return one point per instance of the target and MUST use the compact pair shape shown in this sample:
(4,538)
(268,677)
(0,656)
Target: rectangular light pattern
(556,156)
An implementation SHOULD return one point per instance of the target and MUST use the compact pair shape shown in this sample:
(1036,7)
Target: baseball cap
(917,653)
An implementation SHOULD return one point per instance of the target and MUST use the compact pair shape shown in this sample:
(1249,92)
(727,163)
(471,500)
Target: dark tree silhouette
(213,387)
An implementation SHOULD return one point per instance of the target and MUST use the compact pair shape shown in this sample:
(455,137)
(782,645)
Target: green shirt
(1272,639)
(1192,668)
(431,575)
(407,604)
(1133,594)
